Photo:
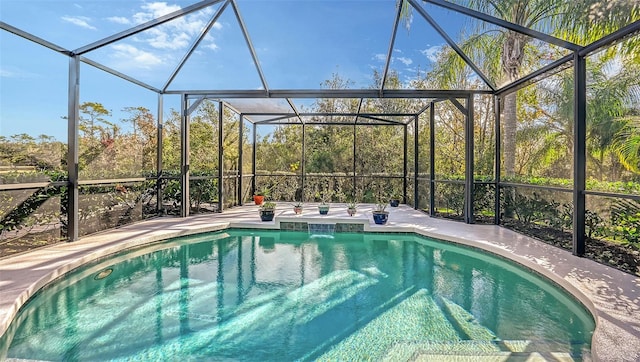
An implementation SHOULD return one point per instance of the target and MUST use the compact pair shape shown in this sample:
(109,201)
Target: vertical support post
(405,170)
(220,157)
(353,193)
(253,159)
(496,162)
(240,199)
(303,162)
(416,152)
(73,117)
(579,153)
(184,157)
(159,164)
(469,183)
(432,160)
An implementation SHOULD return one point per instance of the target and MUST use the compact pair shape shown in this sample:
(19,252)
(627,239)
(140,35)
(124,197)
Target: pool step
(515,350)
(466,323)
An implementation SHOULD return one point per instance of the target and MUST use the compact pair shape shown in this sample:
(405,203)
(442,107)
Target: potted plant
(380,216)
(323,208)
(352,208)
(267,211)
(259,196)
(394,201)
(297,208)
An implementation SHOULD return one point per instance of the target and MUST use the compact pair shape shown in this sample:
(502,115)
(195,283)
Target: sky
(298,43)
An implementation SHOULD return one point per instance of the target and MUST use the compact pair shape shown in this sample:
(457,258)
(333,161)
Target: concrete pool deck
(612,296)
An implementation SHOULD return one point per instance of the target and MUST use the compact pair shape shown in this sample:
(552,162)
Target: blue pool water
(278,296)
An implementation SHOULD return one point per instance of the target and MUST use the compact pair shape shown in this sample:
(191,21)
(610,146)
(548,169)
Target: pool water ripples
(275,295)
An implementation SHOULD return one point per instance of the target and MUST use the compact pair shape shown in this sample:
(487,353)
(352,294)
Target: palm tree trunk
(512,58)
(509,131)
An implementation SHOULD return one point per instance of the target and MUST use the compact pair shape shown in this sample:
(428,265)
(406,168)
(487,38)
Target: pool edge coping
(210,224)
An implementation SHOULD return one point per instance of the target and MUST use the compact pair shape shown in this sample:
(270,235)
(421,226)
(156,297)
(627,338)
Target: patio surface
(612,296)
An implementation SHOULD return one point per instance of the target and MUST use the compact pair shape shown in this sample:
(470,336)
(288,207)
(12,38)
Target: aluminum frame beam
(195,44)
(612,38)
(497,108)
(142,27)
(296,123)
(239,198)
(416,161)
(505,24)
(220,156)
(184,157)
(256,62)
(23,34)
(197,102)
(432,160)
(118,74)
(332,93)
(452,43)
(579,153)
(295,109)
(469,216)
(524,81)
(344,114)
(73,117)
(391,44)
(159,160)
(458,105)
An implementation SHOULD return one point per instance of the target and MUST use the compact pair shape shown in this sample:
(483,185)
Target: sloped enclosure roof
(273,57)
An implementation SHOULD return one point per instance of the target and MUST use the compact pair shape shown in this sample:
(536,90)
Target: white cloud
(81,21)
(404,60)
(431,52)
(154,10)
(176,34)
(212,46)
(380,57)
(119,20)
(4,73)
(162,39)
(134,56)
(14,72)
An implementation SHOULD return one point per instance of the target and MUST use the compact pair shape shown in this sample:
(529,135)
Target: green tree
(504,54)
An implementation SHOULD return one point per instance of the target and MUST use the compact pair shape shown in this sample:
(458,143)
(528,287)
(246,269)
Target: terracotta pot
(297,210)
(258,199)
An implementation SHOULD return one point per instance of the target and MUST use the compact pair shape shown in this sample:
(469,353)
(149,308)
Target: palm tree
(503,53)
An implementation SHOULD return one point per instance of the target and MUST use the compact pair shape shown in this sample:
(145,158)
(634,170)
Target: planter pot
(258,199)
(267,215)
(380,217)
(351,211)
(297,210)
(394,202)
(324,209)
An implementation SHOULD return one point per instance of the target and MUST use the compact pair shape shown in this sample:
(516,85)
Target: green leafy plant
(268,206)
(264,191)
(625,218)
(594,224)
(380,206)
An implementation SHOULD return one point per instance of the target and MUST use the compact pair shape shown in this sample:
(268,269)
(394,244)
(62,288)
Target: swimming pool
(271,295)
